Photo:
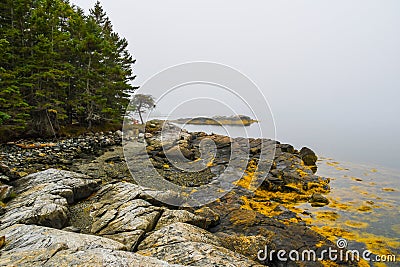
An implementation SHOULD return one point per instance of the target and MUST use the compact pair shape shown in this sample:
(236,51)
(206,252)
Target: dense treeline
(56,59)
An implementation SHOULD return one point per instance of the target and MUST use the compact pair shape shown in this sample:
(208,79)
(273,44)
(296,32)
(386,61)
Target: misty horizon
(330,70)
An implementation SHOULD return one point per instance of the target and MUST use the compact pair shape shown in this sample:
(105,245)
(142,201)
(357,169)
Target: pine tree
(54,57)
(13,108)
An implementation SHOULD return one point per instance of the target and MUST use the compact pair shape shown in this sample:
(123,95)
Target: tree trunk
(140,113)
(90,104)
(140,116)
(45,123)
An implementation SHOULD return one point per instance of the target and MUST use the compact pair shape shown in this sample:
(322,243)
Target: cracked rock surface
(119,214)
(43,198)
(30,245)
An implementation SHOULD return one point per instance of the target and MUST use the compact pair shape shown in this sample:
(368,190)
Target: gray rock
(287,148)
(74,186)
(36,207)
(43,198)
(29,245)
(211,216)
(119,214)
(308,156)
(72,229)
(318,200)
(22,237)
(245,245)
(5,192)
(178,152)
(104,257)
(176,233)
(199,254)
(172,216)
(118,133)
(4,178)
(4,169)
(185,244)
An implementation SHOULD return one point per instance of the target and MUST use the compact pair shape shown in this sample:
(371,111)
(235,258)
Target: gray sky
(330,69)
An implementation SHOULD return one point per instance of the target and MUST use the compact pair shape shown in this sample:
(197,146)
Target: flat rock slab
(198,254)
(185,244)
(30,245)
(103,257)
(71,185)
(178,232)
(43,198)
(21,237)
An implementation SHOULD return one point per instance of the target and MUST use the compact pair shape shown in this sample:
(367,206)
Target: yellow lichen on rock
(338,205)
(166,166)
(327,215)
(328,263)
(247,180)
(333,233)
(210,163)
(320,244)
(388,189)
(335,164)
(264,207)
(378,245)
(364,208)
(356,224)
(243,217)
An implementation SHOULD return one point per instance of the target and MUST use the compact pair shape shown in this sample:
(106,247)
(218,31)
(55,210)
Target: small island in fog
(218,120)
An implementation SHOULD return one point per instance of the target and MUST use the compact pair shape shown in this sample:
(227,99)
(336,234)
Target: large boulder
(36,207)
(318,200)
(291,168)
(308,156)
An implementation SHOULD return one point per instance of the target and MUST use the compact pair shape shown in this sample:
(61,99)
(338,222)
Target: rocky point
(74,202)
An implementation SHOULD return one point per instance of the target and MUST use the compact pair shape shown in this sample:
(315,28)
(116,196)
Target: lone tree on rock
(142,103)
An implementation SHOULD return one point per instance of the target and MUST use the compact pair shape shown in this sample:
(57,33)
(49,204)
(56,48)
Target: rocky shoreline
(74,202)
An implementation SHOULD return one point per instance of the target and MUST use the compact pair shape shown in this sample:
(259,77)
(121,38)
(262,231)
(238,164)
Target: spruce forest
(60,65)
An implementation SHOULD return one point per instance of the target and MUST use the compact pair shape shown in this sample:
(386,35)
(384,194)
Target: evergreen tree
(53,56)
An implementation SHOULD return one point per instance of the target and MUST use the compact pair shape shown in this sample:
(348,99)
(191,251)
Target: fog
(329,69)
